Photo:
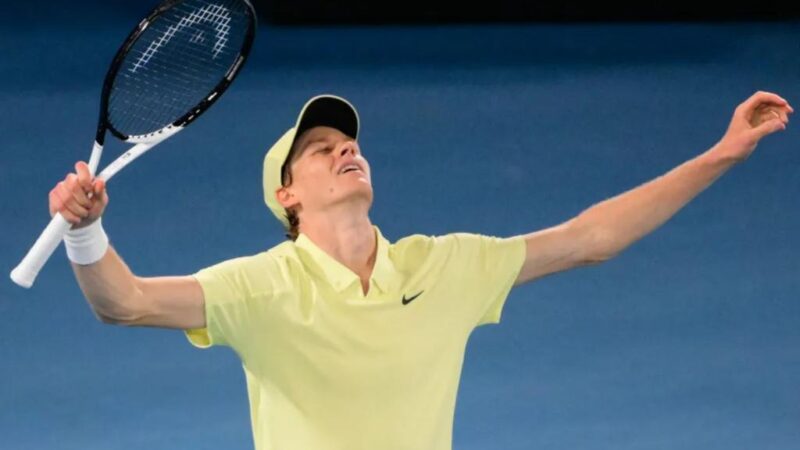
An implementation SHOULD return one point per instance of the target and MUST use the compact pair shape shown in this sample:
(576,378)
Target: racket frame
(25,273)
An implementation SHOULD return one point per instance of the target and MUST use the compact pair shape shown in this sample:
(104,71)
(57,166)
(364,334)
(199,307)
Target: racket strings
(215,14)
(176,63)
(190,65)
(176,83)
(155,82)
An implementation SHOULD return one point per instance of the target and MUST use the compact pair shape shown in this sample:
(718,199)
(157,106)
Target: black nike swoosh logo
(408,300)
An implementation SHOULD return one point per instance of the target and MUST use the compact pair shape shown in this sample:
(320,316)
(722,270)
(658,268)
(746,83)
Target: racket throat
(94,159)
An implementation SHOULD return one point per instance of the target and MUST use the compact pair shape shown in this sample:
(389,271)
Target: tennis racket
(171,68)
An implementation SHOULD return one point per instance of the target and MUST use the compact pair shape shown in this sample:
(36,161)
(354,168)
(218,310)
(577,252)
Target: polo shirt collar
(338,275)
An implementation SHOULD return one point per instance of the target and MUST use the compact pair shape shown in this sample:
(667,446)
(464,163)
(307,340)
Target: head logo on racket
(171,68)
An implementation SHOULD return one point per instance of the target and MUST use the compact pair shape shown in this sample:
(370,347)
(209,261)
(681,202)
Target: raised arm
(607,228)
(114,293)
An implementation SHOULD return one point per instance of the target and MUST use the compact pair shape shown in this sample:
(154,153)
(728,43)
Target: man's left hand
(762,114)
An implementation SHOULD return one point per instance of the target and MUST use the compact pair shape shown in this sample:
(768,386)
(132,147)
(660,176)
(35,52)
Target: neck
(347,238)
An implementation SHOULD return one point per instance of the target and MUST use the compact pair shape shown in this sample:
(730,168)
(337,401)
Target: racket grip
(27,270)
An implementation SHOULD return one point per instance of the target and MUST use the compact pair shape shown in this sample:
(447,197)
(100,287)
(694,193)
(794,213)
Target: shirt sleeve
(235,296)
(486,268)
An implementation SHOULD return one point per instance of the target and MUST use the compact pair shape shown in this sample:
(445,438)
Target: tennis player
(349,341)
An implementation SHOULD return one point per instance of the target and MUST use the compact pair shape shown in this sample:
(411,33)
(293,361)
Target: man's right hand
(115,294)
(79,198)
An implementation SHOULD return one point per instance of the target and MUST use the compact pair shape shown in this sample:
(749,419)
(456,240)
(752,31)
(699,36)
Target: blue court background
(689,339)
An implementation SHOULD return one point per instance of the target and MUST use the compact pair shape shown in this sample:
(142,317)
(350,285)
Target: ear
(286,197)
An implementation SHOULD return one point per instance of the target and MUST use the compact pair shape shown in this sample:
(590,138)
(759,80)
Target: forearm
(624,219)
(109,286)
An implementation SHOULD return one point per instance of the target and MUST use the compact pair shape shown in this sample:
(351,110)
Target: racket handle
(27,270)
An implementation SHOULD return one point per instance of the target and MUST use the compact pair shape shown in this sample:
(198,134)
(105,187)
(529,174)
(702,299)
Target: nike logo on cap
(408,300)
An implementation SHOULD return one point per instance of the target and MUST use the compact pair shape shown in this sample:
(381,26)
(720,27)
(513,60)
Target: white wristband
(86,245)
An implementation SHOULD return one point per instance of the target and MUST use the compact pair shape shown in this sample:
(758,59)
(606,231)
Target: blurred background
(287,12)
(499,118)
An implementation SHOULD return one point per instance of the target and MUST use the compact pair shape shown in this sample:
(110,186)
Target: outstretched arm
(607,228)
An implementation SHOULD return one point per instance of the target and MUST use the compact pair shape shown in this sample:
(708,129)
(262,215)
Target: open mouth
(350,168)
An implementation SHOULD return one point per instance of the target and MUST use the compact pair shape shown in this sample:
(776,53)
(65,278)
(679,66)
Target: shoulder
(423,241)
(256,264)
(456,244)
(251,274)
(422,245)
(281,252)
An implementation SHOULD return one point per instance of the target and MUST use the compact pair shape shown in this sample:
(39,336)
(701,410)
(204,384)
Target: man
(349,341)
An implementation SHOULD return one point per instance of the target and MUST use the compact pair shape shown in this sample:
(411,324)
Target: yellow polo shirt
(329,368)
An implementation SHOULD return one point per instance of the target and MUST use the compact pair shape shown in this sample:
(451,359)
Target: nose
(347,148)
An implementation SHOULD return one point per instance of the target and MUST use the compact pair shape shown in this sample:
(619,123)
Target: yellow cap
(322,110)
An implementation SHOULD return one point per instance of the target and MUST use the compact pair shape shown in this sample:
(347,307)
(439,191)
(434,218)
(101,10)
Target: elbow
(106,318)
(591,244)
(124,311)
(117,316)
(599,248)
(595,259)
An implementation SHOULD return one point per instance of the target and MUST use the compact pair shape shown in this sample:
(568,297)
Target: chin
(363,193)
(366,193)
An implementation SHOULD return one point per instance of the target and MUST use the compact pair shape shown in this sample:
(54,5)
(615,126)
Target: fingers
(63,201)
(769,127)
(100,196)
(783,114)
(764,98)
(77,190)
(98,186)
(764,113)
(84,176)
(767,97)
(79,197)
(57,207)
(99,206)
